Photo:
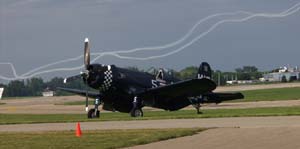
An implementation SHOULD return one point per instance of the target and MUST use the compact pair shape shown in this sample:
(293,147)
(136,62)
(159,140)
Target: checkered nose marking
(108,79)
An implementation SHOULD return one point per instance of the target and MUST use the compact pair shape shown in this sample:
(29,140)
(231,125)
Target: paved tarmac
(231,122)
(234,138)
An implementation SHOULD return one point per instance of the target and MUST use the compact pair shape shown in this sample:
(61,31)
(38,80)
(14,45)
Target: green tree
(248,73)
(55,82)
(35,86)
(247,69)
(17,88)
(188,72)
(219,77)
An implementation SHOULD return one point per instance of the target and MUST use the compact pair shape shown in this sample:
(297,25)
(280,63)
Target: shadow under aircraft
(124,90)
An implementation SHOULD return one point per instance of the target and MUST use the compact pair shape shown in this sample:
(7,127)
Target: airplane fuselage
(118,87)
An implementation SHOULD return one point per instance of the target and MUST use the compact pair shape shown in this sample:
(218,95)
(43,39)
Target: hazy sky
(38,32)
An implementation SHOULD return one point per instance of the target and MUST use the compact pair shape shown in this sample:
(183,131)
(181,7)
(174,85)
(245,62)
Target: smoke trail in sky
(295,8)
(283,14)
(51,64)
(187,35)
(12,67)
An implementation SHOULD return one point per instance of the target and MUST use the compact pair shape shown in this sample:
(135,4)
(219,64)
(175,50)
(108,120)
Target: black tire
(91,114)
(137,112)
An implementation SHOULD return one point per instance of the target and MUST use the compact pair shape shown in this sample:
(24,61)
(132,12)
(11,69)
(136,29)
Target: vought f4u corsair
(129,91)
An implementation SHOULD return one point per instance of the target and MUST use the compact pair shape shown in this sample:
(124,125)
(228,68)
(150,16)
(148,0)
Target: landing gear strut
(95,113)
(196,103)
(197,106)
(136,110)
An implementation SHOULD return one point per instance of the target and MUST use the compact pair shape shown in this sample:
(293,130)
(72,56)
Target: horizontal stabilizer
(220,97)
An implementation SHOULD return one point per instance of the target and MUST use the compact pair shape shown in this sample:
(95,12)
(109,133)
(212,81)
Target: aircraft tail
(204,71)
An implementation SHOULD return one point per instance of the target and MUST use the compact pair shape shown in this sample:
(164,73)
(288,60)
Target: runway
(231,138)
(231,122)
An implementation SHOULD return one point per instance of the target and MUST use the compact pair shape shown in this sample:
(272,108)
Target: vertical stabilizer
(204,71)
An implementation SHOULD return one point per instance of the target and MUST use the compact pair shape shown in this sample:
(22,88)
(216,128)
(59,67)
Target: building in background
(282,74)
(1,92)
(48,93)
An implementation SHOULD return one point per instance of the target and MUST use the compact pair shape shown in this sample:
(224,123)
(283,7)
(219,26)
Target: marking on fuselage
(158,82)
(201,76)
(108,79)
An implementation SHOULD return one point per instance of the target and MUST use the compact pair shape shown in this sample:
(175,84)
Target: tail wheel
(137,112)
(92,114)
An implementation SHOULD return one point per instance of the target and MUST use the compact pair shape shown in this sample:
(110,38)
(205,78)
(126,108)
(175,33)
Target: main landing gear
(197,104)
(94,113)
(136,110)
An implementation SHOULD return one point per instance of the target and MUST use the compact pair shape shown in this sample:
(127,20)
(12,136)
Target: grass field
(272,94)
(70,103)
(19,97)
(91,139)
(149,115)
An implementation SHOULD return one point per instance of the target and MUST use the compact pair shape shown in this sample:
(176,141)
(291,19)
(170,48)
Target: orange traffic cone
(78,130)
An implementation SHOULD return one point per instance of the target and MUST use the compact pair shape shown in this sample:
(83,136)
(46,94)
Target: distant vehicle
(129,91)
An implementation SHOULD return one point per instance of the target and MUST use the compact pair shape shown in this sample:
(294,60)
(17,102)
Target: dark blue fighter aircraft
(129,91)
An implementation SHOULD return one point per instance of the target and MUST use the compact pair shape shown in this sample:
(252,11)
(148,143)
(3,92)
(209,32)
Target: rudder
(204,71)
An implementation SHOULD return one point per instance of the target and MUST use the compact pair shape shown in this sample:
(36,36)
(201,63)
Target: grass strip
(149,115)
(103,139)
(271,94)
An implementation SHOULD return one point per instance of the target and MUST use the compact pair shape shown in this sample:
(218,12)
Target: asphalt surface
(235,138)
(231,122)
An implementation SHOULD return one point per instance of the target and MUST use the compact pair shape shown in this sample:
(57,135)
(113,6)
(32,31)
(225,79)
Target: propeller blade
(87,64)
(86,104)
(85,74)
(86,53)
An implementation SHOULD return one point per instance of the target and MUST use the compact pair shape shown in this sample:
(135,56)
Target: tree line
(35,86)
